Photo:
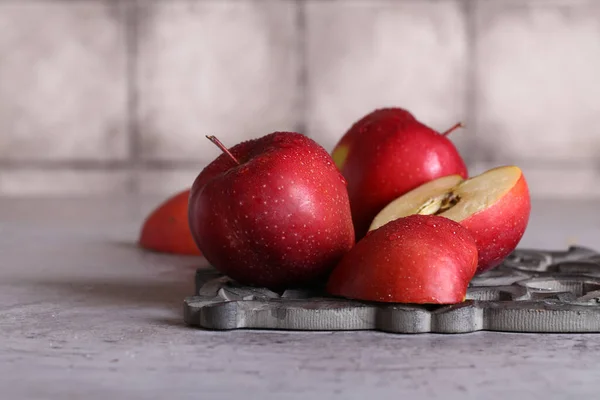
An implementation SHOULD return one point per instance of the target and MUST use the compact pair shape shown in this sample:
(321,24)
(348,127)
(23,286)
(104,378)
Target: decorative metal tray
(532,291)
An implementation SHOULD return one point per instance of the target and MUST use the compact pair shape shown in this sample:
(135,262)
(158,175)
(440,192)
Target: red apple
(340,152)
(422,259)
(493,206)
(272,211)
(388,153)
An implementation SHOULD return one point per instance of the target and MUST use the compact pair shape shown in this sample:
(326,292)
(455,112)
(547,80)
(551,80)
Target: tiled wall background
(108,96)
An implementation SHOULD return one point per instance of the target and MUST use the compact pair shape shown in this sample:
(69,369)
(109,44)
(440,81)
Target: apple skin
(419,259)
(340,152)
(281,218)
(166,229)
(497,230)
(387,155)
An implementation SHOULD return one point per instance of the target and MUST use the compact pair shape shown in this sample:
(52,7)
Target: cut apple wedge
(493,206)
(419,259)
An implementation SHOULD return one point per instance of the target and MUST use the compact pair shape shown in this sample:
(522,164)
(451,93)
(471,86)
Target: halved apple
(493,206)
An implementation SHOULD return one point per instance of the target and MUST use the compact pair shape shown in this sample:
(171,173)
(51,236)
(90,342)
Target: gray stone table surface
(85,314)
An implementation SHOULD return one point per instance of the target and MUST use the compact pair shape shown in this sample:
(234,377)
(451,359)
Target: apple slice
(419,259)
(493,206)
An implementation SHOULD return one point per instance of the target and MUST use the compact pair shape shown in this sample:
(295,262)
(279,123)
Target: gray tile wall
(109,96)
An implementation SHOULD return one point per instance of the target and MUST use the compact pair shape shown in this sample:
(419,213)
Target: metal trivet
(532,291)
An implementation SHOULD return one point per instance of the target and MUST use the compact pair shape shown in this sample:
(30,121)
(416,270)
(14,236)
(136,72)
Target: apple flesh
(272,212)
(388,153)
(494,206)
(421,259)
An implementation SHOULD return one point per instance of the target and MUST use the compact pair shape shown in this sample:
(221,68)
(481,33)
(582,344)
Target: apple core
(439,204)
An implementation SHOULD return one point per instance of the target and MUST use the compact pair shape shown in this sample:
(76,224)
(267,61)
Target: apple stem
(453,128)
(220,145)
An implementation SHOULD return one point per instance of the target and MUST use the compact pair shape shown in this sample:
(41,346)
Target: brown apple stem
(224,149)
(455,127)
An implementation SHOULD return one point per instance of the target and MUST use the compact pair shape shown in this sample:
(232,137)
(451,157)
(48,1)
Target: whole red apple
(418,259)
(493,206)
(388,153)
(340,152)
(272,212)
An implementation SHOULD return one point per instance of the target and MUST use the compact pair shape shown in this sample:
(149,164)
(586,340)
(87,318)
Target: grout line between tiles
(132,38)
(96,165)
(173,165)
(472,148)
(302,77)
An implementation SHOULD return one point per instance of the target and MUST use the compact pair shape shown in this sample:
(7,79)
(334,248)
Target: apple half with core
(388,153)
(493,206)
(420,259)
(272,212)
